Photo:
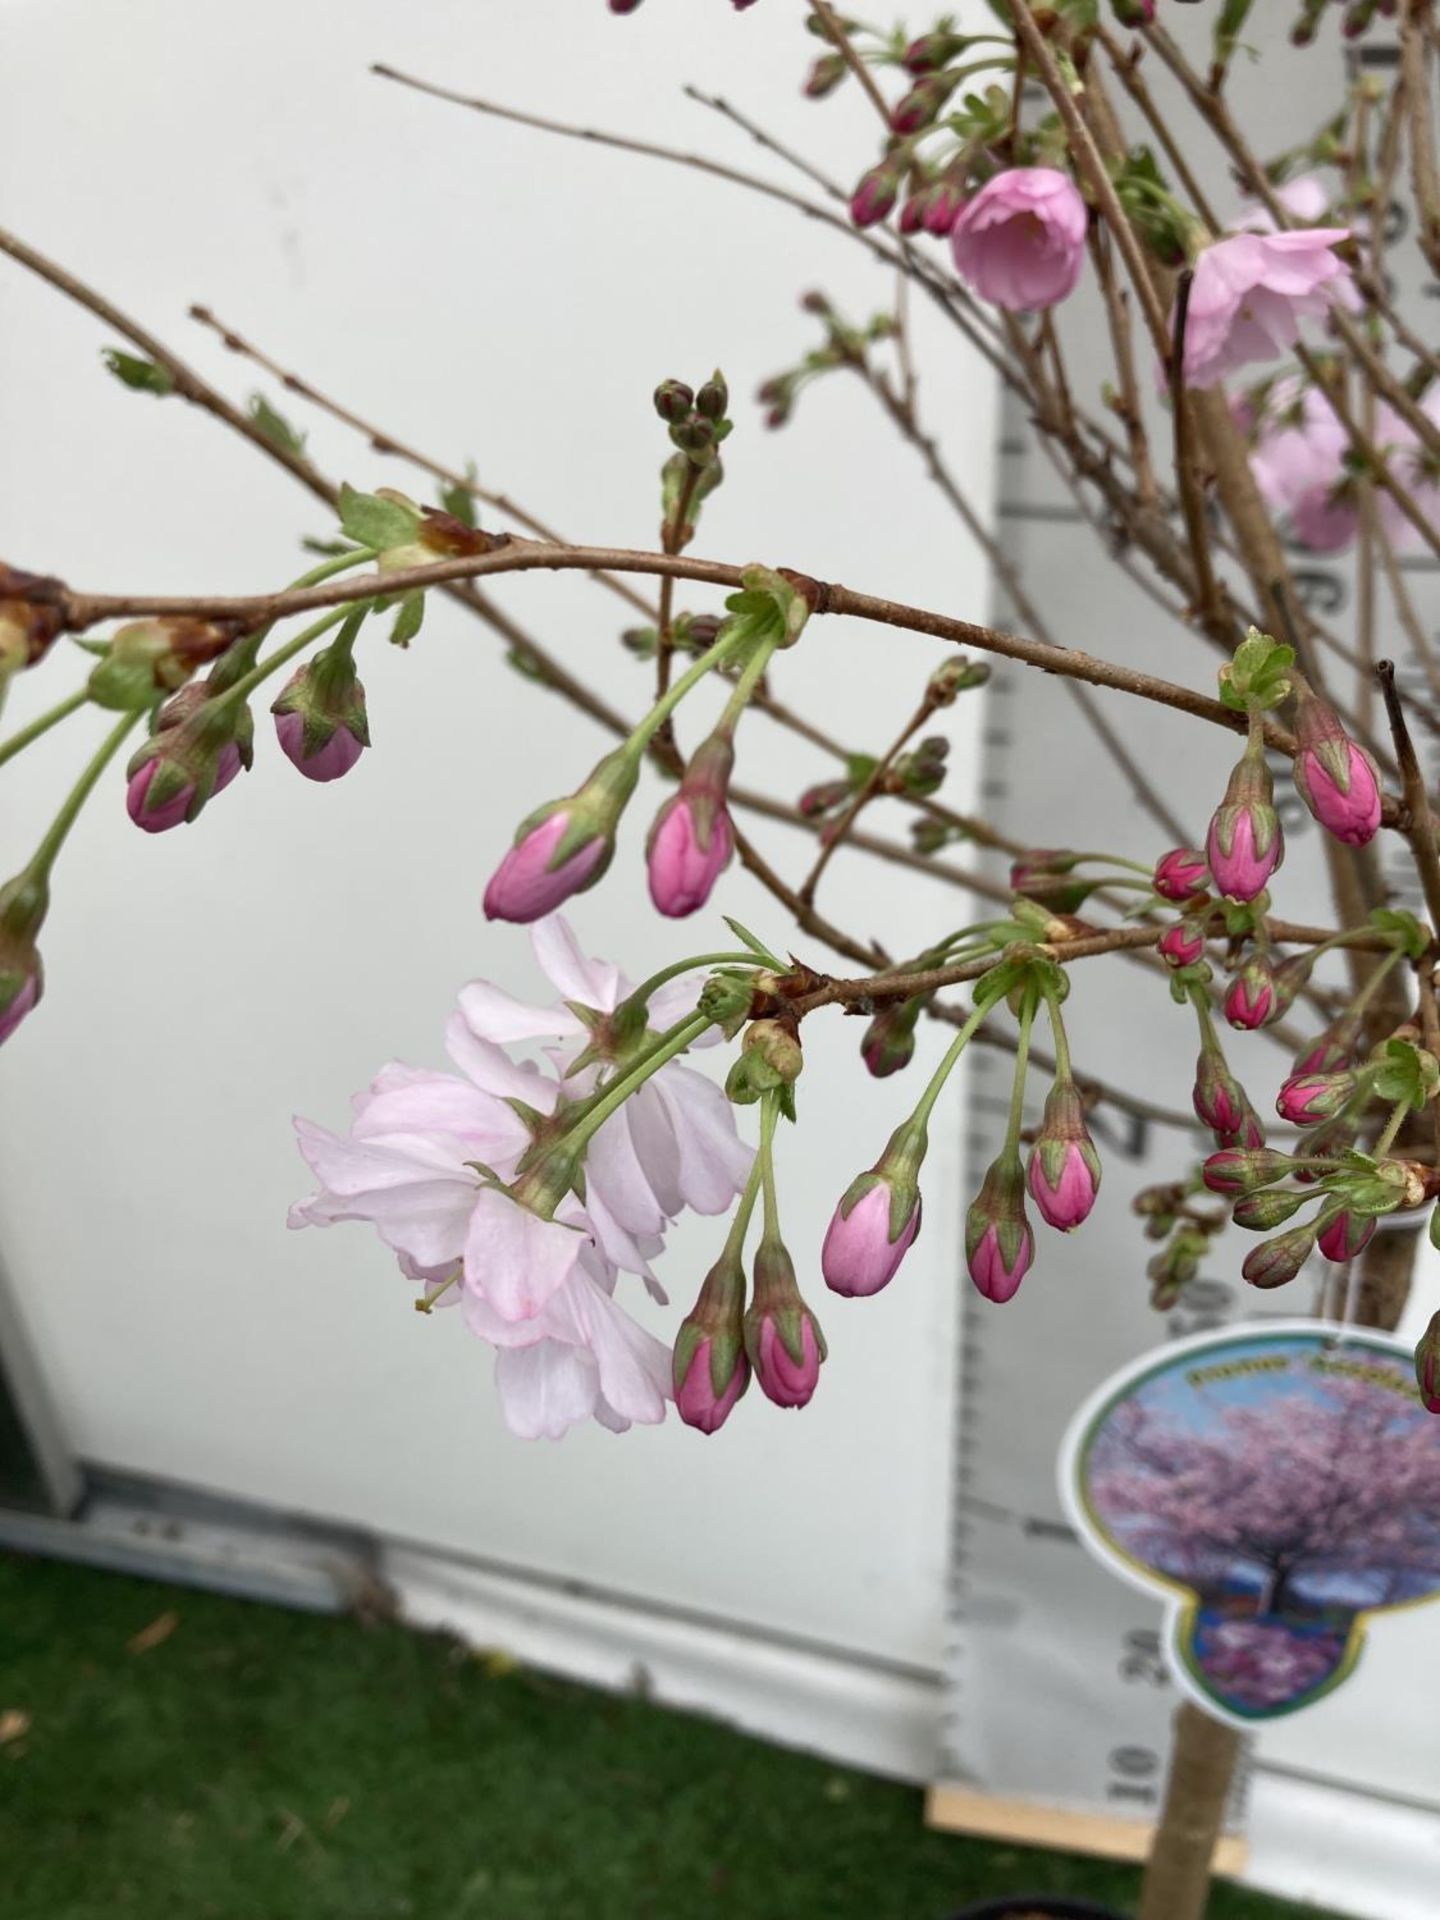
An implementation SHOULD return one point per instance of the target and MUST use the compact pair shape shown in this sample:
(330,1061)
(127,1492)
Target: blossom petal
(574,976)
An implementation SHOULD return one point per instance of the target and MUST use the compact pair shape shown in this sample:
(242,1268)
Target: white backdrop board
(485,293)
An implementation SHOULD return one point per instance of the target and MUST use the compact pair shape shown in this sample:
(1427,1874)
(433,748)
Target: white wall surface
(484,292)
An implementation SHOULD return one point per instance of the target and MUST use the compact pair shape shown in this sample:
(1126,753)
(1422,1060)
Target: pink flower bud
(709,1366)
(875,196)
(1219,1099)
(1249,1136)
(1064,1169)
(999,1245)
(1329,1053)
(1245,845)
(889,1040)
(1183,943)
(923,102)
(1251,1000)
(932,51)
(1020,242)
(320,717)
(16,1000)
(782,1336)
(1337,780)
(1047,875)
(1133,13)
(1274,1263)
(946,202)
(1327,1143)
(692,839)
(531,882)
(1347,1235)
(870,1232)
(564,847)
(1307,1098)
(159,796)
(706,1393)
(1239,1170)
(1427,1365)
(1181,874)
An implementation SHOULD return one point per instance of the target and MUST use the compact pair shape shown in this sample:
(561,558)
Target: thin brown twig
(1419,825)
(834,835)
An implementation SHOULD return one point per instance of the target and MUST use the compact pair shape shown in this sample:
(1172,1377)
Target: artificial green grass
(254,1764)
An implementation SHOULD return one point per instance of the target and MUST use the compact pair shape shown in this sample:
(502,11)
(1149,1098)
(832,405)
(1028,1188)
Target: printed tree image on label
(1278,1489)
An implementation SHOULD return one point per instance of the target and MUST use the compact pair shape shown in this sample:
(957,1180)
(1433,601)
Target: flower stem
(1061,1040)
(671,698)
(44,857)
(740,1225)
(1392,1126)
(1022,1061)
(926,1103)
(750,676)
(610,1099)
(42,725)
(248,682)
(642,994)
(769,1112)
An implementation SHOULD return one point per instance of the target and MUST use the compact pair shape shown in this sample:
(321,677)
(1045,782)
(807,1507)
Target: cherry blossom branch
(1417,22)
(512,555)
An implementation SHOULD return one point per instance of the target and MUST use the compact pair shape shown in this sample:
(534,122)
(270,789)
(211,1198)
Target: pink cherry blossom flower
(1250,294)
(859,1256)
(1020,242)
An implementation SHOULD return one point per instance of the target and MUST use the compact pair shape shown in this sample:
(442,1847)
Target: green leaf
(754,943)
(458,501)
(275,427)
(1410,935)
(372,522)
(1406,1072)
(141,376)
(409,620)
(1259,673)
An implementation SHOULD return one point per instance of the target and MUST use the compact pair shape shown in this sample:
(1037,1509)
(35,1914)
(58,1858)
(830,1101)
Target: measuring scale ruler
(1057,1705)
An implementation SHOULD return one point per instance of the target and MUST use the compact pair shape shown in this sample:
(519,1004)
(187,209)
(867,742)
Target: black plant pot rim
(1052,1906)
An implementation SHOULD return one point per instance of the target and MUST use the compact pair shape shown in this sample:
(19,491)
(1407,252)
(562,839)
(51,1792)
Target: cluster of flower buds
(698,427)
(1187,1231)
(1350,1189)
(24,902)
(200,742)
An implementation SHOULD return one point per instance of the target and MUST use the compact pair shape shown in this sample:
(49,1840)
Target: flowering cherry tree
(1263,395)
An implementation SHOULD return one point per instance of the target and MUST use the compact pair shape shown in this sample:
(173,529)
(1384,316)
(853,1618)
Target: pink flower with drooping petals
(1020,242)
(682,872)
(1251,292)
(528,883)
(859,1256)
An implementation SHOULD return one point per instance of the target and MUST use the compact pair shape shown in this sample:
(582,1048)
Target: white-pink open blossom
(1250,294)
(427,1154)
